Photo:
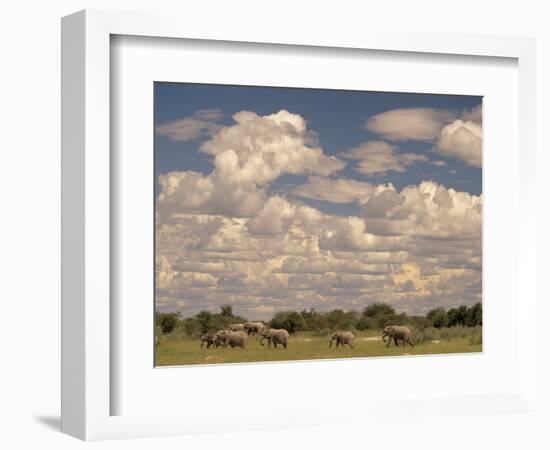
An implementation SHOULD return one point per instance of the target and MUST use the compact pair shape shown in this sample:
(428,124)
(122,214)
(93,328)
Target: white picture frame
(87,353)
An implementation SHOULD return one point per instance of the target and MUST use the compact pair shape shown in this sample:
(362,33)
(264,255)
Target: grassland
(178,350)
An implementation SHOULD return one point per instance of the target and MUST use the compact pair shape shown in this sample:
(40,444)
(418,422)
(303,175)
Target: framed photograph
(312,214)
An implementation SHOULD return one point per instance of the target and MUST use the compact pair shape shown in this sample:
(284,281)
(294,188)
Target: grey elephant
(237,327)
(275,336)
(342,338)
(232,338)
(209,339)
(236,339)
(219,338)
(397,333)
(254,327)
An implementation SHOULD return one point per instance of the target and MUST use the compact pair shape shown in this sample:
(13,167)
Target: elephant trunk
(262,340)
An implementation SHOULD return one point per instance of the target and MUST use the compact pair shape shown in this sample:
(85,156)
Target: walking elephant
(254,327)
(275,336)
(397,333)
(219,338)
(232,338)
(209,339)
(342,338)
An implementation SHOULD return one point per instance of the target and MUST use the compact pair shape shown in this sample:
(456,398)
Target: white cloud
(416,249)
(454,137)
(265,147)
(379,157)
(202,123)
(428,210)
(463,140)
(248,155)
(422,124)
(215,194)
(222,238)
(340,190)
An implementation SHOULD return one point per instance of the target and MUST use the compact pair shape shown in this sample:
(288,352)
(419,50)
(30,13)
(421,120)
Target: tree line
(374,316)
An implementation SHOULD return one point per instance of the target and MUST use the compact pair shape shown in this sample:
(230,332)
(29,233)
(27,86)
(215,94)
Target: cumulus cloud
(416,248)
(379,157)
(422,124)
(453,136)
(202,123)
(265,147)
(463,140)
(428,210)
(224,238)
(248,155)
(340,190)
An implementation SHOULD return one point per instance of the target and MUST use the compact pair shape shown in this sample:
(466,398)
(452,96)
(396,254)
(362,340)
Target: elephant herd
(237,336)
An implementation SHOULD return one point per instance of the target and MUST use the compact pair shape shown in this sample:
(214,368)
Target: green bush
(438,317)
(289,320)
(437,324)
(166,322)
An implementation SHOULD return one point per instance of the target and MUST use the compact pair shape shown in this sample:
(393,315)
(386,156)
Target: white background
(30,81)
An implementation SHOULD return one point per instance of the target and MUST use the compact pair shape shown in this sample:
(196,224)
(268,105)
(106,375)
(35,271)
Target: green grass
(175,350)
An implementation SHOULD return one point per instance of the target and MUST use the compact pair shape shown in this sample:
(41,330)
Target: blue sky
(272,199)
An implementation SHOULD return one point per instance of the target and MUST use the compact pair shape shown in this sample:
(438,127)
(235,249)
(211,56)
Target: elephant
(209,339)
(397,333)
(236,339)
(220,337)
(275,336)
(237,327)
(254,327)
(341,338)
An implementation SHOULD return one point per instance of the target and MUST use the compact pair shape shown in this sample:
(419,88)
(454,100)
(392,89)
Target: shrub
(289,320)
(166,322)
(365,323)
(378,309)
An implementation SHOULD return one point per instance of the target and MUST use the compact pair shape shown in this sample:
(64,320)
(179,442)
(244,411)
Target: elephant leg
(274,344)
(396,342)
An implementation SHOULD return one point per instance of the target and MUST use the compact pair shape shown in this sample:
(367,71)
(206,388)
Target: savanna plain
(302,345)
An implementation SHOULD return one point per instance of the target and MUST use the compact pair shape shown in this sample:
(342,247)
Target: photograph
(296,224)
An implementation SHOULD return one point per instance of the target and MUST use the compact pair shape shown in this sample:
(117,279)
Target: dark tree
(205,322)
(226,311)
(166,321)
(378,309)
(474,316)
(439,317)
(291,321)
